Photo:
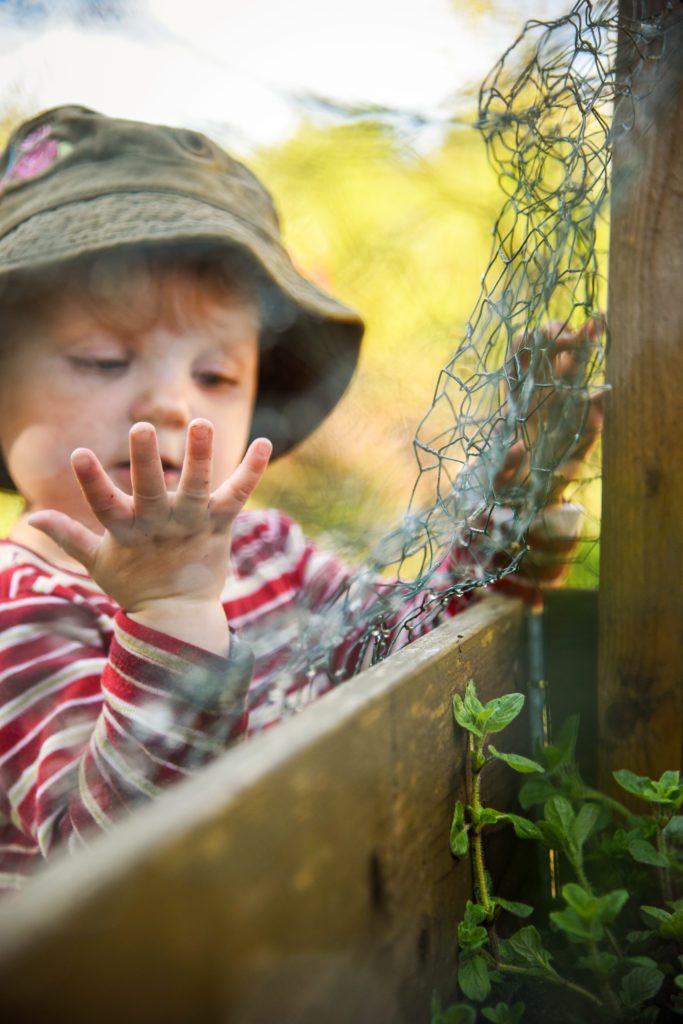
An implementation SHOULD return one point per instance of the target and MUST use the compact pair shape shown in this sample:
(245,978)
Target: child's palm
(158,546)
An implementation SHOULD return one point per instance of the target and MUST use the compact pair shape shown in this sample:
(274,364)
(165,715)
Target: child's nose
(165,404)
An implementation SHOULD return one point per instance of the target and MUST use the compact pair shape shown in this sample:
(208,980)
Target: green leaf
(471,936)
(588,907)
(599,963)
(666,790)
(502,710)
(473,978)
(471,939)
(527,946)
(524,828)
(640,961)
(611,904)
(645,853)
(520,764)
(472,702)
(566,739)
(673,929)
(487,816)
(549,755)
(536,791)
(634,938)
(640,984)
(459,841)
(559,813)
(576,897)
(551,836)
(678,980)
(674,830)
(464,717)
(575,926)
(655,915)
(668,782)
(638,785)
(585,823)
(518,909)
(474,914)
(459,1013)
(504,1014)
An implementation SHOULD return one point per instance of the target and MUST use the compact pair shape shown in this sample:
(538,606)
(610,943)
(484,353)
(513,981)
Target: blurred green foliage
(404,237)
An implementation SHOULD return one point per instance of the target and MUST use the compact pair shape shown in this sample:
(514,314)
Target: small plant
(612,946)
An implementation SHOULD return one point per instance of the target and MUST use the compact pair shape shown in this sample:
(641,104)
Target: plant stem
(587,793)
(551,976)
(604,986)
(613,942)
(481,889)
(581,874)
(664,873)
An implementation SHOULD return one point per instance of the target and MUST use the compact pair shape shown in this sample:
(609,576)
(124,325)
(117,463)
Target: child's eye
(211,379)
(99,363)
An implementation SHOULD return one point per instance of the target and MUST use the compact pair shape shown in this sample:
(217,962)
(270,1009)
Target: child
(150,314)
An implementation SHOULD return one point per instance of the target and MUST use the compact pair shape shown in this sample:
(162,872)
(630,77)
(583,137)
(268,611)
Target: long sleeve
(98,714)
(311,621)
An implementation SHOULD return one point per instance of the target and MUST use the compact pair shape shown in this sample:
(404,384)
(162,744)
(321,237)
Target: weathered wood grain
(304,877)
(641,601)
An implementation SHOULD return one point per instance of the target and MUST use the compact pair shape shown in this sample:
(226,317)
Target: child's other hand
(163,555)
(562,424)
(565,428)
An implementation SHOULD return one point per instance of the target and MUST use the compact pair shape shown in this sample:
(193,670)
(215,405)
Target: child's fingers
(512,465)
(109,504)
(150,497)
(72,537)
(231,496)
(571,465)
(194,488)
(567,351)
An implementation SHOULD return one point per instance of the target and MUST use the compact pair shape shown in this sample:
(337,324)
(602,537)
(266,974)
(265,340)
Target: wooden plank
(640,699)
(304,876)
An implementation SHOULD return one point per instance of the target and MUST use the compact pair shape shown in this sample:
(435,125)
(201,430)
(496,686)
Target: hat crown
(86,155)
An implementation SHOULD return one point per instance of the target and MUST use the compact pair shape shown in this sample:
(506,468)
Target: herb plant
(610,947)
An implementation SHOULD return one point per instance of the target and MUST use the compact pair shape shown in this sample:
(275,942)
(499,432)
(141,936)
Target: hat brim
(305,367)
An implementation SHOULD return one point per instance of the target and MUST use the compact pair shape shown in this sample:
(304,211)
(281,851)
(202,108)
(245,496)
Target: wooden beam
(640,702)
(305,876)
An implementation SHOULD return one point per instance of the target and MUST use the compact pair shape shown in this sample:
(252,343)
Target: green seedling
(611,939)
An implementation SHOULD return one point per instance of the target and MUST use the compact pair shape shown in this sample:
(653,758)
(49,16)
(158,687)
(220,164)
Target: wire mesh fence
(510,437)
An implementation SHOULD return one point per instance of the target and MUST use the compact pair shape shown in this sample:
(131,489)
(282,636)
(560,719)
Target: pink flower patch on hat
(35,153)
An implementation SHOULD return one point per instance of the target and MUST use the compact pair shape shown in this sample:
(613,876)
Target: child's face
(74,379)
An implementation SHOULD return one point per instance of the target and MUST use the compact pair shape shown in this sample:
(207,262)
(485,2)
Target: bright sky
(232,67)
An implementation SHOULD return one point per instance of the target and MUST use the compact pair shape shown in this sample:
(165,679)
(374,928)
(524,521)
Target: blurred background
(360,119)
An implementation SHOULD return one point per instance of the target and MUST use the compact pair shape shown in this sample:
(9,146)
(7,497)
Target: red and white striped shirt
(98,713)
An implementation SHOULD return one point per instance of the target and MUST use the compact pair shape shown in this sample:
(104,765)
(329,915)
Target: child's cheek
(36,456)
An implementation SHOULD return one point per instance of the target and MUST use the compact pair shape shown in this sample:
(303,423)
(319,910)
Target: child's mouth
(122,475)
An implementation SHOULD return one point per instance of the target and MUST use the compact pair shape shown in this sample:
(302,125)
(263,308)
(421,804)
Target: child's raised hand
(163,555)
(560,422)
(562,427)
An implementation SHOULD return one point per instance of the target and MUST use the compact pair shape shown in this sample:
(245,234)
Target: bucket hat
(75,183)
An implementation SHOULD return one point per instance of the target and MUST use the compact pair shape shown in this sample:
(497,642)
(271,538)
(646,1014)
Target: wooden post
(640,697)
